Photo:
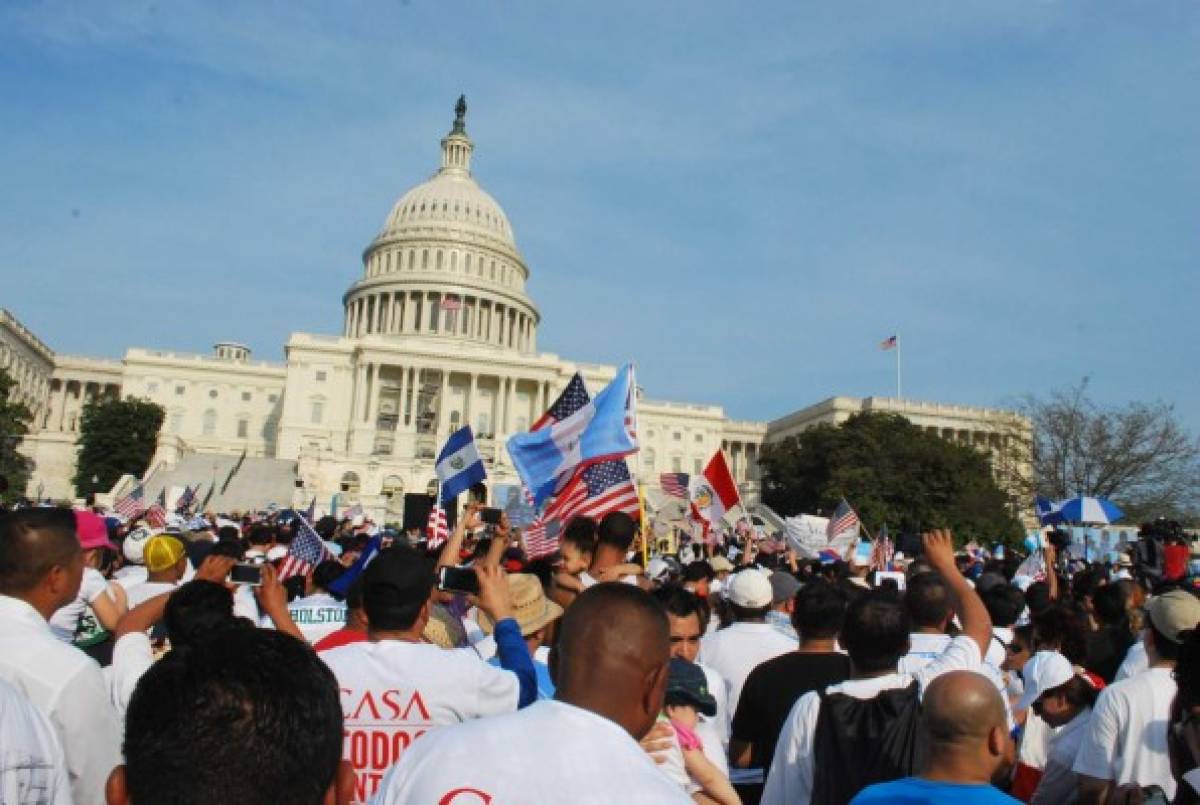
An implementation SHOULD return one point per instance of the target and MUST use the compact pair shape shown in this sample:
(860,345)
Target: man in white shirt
(42,566)
(611,670)
(396,688)
(927,601)
(735,651)
(31,758)
(1126,740)
(166,564)
(320,614)
(876,635)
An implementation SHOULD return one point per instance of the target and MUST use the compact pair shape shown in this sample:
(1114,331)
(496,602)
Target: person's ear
(997,742)
(115,791)
(341,790)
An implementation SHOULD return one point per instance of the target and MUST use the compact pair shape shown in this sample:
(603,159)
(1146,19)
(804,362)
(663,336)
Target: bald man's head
(961,708)
(32,542)
(612,654)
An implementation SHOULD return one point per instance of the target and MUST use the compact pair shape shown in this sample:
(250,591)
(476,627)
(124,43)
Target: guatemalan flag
(459,466)
(599,430)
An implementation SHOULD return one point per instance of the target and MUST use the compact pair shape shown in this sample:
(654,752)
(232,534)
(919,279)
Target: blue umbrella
(1088,510)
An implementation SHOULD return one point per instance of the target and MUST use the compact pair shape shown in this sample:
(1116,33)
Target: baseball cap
(397,577)
(92,531)
(686,681)
(162,552)
(784,586)
(1173,613)
(134,545)
(750,589)
(1045,671)
(720,564)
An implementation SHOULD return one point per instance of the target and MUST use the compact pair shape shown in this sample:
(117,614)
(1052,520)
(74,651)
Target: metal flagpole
(641,486)
(899,388)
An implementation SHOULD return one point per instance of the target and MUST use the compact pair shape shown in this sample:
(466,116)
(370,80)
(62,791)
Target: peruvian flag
(714,492)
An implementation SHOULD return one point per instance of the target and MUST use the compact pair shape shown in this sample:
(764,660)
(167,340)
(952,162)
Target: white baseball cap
(750,589)
(1045,671)
(134,544)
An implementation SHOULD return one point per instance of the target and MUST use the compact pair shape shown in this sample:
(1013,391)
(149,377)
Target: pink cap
(92,531)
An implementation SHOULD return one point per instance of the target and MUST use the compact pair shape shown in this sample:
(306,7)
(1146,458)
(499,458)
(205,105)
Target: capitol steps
(249,483)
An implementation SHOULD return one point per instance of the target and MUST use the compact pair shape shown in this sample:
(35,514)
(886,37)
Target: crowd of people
(203,662)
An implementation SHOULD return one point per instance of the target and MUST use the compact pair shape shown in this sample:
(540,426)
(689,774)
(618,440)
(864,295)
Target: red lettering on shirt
(465,796)
(419,704)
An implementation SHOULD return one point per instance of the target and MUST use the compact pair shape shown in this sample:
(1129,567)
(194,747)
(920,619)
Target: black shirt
(772,689)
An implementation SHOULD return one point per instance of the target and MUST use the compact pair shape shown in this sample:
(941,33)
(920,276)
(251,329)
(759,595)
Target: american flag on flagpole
(437,529)
(675,484)
(185,500)
(890,342)
(844,519)
(156,515)
(594,491)
(882,550)
(133,504)
(572,398)
(306,551)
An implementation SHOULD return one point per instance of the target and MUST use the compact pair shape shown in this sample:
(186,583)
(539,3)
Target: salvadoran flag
(459,466)
(547,458)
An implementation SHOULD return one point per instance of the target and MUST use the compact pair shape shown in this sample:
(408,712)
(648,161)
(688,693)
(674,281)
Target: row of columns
(67,398)
(32,386)
(743,460)
(481,319)
(373,378)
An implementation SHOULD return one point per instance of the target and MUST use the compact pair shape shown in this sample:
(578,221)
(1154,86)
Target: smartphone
(458,580)
(490,516)
(246,573)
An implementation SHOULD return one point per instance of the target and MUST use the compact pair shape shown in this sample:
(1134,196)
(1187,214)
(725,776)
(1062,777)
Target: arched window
(350,482)
(209,426)
(393,490)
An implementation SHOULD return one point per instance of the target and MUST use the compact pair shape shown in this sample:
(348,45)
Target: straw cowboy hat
(531,608)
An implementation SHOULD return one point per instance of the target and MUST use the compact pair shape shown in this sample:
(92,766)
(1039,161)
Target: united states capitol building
(439,331)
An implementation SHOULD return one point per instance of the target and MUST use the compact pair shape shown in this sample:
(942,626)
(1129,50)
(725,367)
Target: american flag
(450,303)
(594,491)
(675,484)
(132,504)
(306,551)
(888,343)
(882,550)
(185,500)
(843,520)
(156,515)
(437,530)
(572,398)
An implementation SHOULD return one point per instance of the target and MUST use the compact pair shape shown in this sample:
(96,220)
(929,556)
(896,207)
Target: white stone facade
(438,332)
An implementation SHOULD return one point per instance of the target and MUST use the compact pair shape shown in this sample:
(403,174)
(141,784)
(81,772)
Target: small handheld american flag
(306,551)
(437,530)
(675,484)
(843,520)
(133,504)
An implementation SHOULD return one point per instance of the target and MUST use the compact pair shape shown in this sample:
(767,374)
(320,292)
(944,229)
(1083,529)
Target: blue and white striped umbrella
(1088,510)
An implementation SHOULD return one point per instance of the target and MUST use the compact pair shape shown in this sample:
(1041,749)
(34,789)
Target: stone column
(400,400)
(469,404)
(372,417)
(541,398)
(443,429)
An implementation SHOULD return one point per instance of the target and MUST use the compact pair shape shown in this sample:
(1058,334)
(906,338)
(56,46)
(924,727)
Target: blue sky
(745,198)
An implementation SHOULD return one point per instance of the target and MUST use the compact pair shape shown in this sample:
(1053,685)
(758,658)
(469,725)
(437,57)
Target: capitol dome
(445,263)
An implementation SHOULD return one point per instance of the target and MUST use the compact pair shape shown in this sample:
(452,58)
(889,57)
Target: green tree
(14,425)
(115,437)
(893,473)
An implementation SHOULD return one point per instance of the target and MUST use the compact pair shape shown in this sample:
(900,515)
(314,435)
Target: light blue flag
(600,430)
(459,466)
(341,585)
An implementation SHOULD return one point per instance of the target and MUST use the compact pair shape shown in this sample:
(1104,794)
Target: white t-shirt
(922,650)
(132,656)
(65,620)
(718,726)
(735,651)
(31,758)
(393,692)
(1134,663)
(1126,740)
(1059,785)
(67,687)
(790,781)
(131,575)
(1036,738)
(546,754)
(318,615)
(141,593)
